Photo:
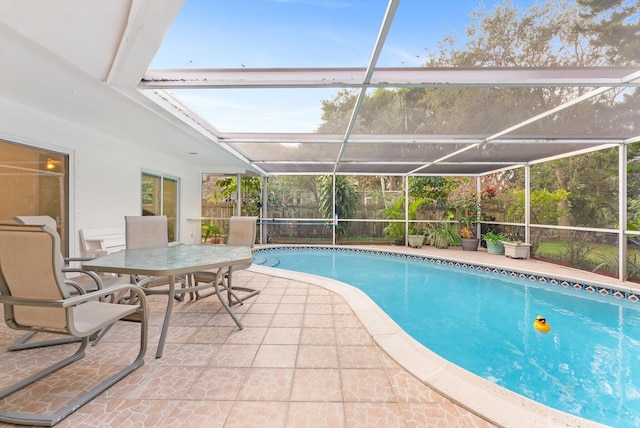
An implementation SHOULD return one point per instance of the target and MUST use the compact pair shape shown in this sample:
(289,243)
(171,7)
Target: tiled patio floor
(303,360)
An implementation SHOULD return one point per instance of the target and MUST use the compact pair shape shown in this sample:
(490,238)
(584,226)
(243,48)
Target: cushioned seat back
(242,231)
(30,268)
(41,219)
(146,232)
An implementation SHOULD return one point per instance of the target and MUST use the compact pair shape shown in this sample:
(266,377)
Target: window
(159,196)
(34,181)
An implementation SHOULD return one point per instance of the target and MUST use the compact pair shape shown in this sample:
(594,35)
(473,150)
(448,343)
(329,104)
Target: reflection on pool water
(587,365)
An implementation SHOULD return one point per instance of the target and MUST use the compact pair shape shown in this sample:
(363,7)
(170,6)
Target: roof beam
(389,77)
(382,35)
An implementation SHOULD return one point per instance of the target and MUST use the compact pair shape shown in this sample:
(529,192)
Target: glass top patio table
(172,261)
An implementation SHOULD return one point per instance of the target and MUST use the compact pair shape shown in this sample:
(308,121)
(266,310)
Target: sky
(295,34)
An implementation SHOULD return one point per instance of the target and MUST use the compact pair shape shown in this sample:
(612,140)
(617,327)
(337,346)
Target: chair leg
(46,371)
(21,418)
(23,342)
(250,292)
(232,298)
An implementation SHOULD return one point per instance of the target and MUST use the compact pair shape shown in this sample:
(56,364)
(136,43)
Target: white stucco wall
(105,171)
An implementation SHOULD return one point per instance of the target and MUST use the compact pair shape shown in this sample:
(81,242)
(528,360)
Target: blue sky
(298,33)
(308,33)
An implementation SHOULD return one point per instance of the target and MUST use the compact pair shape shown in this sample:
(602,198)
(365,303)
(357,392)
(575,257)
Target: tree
(546,209)
(616,28)
(346,200)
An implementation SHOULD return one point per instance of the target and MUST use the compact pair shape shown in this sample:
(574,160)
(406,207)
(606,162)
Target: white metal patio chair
(150,232)
(36,297)
(242,232)
(88,281)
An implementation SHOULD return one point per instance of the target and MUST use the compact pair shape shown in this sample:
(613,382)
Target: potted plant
(211,233)
(495,242)
(415,237)
(468,241)
(469,210)
(444,234)
(516,249)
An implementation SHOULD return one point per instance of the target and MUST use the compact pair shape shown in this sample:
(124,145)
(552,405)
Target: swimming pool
(588,365)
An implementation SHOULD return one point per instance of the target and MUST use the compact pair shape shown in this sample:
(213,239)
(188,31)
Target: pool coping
(478,395)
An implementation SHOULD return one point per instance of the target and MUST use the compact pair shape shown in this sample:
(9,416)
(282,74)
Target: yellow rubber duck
(541,325)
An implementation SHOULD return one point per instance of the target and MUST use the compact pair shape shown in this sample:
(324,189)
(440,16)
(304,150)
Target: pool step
(266,261)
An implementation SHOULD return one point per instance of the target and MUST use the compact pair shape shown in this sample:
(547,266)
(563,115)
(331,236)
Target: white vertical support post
(622,212)
(335,213)
(263,210)
(527,203)
(406,210)
(239,194)
(478,230)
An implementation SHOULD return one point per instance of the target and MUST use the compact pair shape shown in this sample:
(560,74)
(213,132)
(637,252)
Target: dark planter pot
(495,247)
(470,244)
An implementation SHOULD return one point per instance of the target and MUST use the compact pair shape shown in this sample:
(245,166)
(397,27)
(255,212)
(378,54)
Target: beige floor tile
(359,357)
(266,384)
(247,336)
(318,299)
(276,356)
(318,320)
(366,385)
(282,336)
(253,414)
(315,414)
(409,389)
(441,415)
(263,308)
(317,308)
(297,299)
(318,336)
(198,414)
(211,334)
(165,383)
(287,320)
(216,384)
(256,320)
(317,356)
(316,385)
(353,336)
(232,355)
(369,415)
(290,308)
(193,355)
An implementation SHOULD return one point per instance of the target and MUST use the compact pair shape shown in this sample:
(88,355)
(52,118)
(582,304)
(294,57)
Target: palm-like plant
(346,204)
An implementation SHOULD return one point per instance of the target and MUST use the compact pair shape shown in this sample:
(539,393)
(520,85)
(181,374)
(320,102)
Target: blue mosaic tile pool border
(589,288)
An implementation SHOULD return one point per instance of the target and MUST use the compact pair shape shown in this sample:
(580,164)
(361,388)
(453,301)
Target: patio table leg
(222,300)
(167,315)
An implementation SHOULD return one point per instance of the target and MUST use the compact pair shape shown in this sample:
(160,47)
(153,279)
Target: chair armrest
(72,301)
(91,274)
(77,259)
(76,300)
(75,285)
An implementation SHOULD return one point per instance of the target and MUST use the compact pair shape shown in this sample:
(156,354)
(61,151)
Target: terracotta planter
(470,244)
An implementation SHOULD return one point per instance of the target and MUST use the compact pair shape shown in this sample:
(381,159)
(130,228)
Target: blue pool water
(588,365)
